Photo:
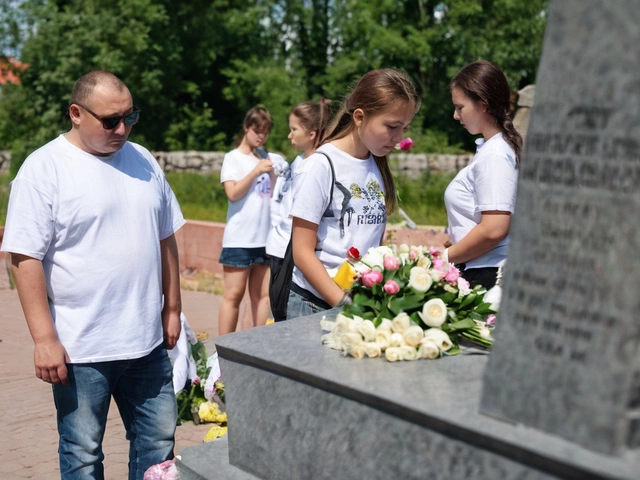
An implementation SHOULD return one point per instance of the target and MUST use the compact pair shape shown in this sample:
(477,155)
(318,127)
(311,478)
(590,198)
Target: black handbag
(281,279)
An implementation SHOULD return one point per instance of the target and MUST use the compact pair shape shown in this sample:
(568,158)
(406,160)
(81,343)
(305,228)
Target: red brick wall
(199,243)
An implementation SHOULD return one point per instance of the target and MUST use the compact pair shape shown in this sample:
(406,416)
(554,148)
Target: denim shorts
(239,257)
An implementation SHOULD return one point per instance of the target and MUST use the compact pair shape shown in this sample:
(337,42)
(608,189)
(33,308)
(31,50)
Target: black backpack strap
(345,192)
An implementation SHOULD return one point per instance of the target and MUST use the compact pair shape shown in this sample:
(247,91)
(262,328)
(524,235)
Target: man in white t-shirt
(90,229)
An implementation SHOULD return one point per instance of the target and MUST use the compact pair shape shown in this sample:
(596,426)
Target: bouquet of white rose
(409,304)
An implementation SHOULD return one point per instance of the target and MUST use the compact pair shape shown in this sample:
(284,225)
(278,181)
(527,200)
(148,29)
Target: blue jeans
(143,391)
(299,306)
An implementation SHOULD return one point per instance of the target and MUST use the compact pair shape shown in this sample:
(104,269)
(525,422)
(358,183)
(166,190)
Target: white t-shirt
(365,218)
(248,219)
(96,224)
(281,203)
(489,182)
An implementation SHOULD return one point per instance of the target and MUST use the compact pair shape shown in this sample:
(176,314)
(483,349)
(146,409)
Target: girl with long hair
(481,198)
(343,201)
(247,175)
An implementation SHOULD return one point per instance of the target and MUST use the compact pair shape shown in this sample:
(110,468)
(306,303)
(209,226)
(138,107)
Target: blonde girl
(371,122)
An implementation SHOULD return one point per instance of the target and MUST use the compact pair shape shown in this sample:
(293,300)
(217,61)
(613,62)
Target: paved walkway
(28,435)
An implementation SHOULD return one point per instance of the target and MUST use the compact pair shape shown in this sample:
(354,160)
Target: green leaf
(448,298)
(468,299)
(459,326)
(406,303)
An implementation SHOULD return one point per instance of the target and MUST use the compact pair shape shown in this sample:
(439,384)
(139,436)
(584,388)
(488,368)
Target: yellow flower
(202,336)
(215,432)
(208,411)
(345,276)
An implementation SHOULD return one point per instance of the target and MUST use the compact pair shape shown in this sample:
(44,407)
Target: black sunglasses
(109,123)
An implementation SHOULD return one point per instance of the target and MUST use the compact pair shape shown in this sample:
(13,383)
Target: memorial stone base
(299,410)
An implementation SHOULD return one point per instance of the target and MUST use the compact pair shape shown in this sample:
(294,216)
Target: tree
(195,68)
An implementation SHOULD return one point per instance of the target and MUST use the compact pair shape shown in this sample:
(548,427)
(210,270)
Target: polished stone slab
(297,406)
(209,461)
(568,336)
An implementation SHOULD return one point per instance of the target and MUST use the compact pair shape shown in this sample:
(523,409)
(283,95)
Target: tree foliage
(195,67)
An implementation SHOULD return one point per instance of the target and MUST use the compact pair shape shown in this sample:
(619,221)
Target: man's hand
(171,328)
(50,359)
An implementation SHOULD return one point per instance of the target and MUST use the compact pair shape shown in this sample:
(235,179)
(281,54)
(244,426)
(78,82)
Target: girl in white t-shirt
(481,198)
(371,122)
(307,124)
(247,175)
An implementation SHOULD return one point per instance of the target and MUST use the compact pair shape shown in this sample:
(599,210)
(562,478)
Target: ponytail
(314,118)
(390,194)
(512,137)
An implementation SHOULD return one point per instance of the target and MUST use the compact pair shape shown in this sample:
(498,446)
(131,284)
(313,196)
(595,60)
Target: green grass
(202,197)
(4,196)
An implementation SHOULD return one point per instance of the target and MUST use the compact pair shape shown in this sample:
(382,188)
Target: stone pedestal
(298,410)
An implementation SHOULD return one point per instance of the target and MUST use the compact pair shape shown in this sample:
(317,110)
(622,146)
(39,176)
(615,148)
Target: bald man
(90,229)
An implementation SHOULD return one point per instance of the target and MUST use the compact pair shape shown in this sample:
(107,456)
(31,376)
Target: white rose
(383,338)
(436,275)
(486,333)
(396,340)
(493,297)
(356,351)
(404,258)
(351,338)
(408,353)
(384,250)
(343,324)
(392,354)
(424,262)
(368,330)
(419,279)
(434,312)
(327,325)
(440,338)
(418,248)
(373,259)
(413,335)
(372,349)
(404,248)
(385,324)
(428,349)
(332,341)
(401,322)
(450,288)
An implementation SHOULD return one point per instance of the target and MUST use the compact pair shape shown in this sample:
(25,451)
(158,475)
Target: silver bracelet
(345,300)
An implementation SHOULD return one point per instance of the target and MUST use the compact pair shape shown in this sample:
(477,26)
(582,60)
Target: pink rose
(391,263)
(391,287)
(433,251)
(406,144)
(196,380)
(452,275)
(413,254)
(463,286)
(371,278)
(491,319)
(438,263)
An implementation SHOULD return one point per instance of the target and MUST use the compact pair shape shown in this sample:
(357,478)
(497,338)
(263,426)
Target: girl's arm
(235,190)
(304,235)
(493,227)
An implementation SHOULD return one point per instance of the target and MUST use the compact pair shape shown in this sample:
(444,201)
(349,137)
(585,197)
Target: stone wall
(411,164)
